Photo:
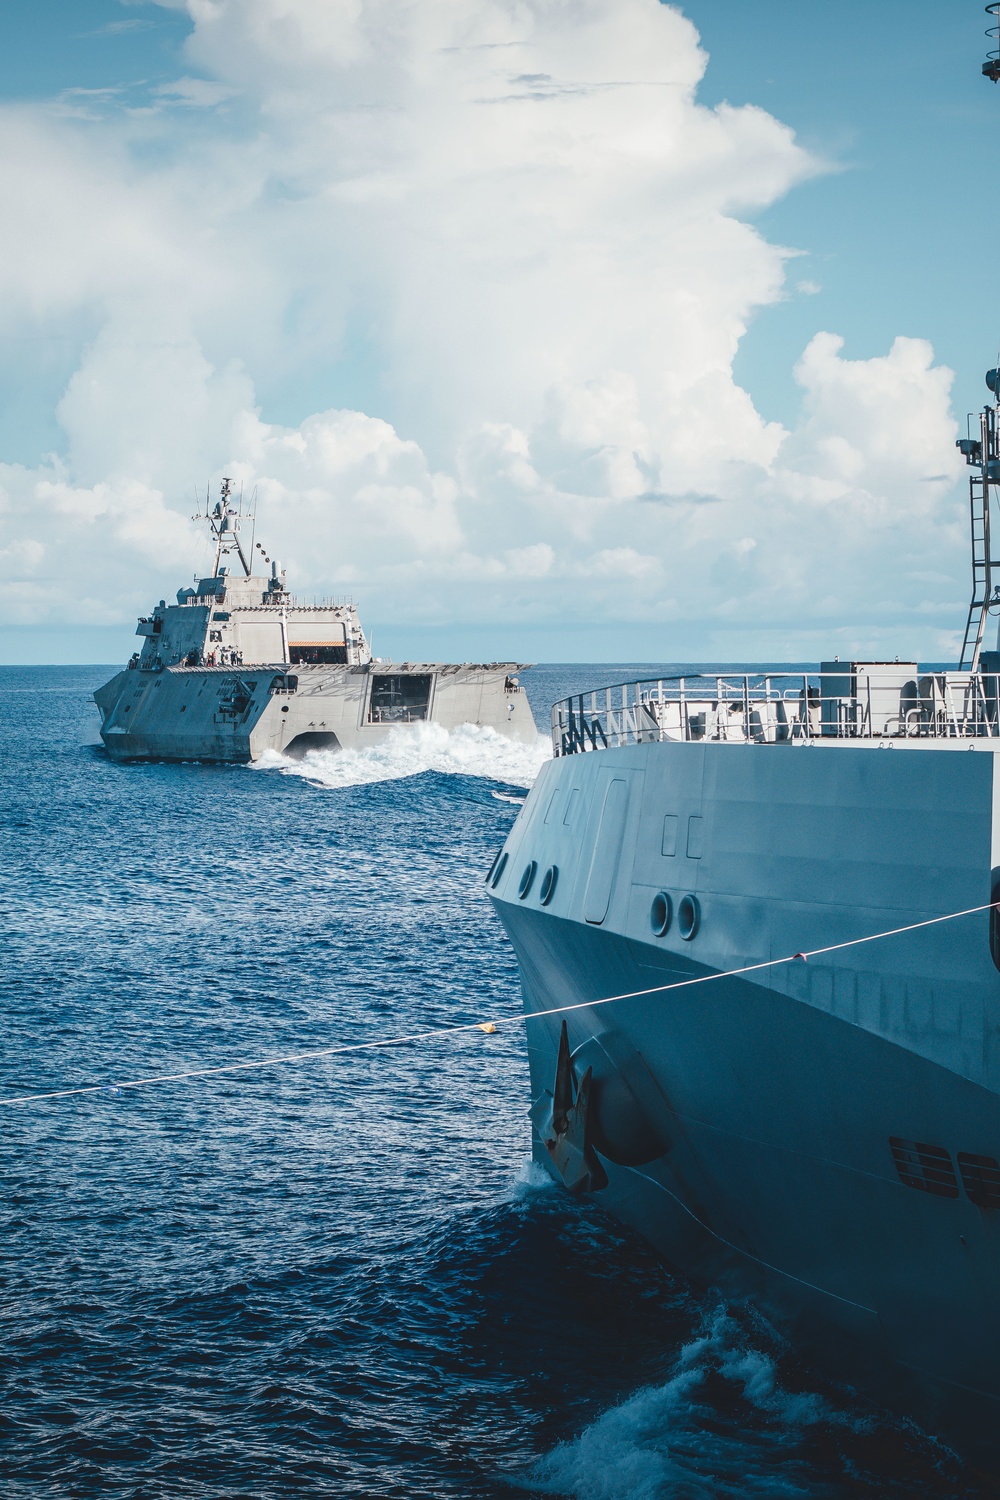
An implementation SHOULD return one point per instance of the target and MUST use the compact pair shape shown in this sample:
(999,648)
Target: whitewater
(412,749)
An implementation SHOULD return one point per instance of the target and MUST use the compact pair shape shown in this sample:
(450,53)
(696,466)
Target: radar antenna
(224,520)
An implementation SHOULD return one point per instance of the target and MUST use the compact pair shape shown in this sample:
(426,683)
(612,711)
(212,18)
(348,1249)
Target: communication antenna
(991,67)
(253,509)
(224,524)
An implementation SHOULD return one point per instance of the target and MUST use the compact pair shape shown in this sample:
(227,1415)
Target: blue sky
(886,198)
(898,237)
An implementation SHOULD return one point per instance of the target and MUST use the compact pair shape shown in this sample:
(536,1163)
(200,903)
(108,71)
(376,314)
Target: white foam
(663,1443)
(409,750)
(530,1179)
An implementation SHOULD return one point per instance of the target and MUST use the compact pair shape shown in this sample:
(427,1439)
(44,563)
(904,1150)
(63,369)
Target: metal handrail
(772,707)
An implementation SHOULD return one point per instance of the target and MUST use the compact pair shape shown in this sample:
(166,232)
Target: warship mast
(224,520)
(982,454)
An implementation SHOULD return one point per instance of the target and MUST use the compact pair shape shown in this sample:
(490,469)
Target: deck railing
(766,708)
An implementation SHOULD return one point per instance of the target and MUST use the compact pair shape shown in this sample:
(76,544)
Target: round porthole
(548,889)
(501,865)
(527,878)
(688,917)
(661,914)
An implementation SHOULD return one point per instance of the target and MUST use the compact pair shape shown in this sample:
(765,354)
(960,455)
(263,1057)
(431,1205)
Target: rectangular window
(696,837)
(318,655)
(399,698)
(668,843)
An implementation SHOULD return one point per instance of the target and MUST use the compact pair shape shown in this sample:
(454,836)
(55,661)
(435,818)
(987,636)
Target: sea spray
(410,750)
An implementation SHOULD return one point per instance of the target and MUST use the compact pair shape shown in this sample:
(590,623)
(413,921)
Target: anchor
(565,1127)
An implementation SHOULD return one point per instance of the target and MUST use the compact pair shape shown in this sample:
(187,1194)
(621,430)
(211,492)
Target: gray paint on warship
(821,1136)
(238,666)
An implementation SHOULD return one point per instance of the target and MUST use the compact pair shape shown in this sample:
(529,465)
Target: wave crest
(412,749)
(721,1428)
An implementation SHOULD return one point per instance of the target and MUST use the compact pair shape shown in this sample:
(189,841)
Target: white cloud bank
(517,215)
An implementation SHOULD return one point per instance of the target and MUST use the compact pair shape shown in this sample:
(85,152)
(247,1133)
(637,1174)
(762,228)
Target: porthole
(527,878)
(688,917)
(548,889)
(498,871)
(661,914)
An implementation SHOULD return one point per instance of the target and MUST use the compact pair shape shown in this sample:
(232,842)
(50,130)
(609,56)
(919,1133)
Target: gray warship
(238,666)
(820,1136)
(757,920)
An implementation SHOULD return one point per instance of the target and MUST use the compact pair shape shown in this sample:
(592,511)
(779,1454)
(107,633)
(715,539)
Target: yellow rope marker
(488,1027)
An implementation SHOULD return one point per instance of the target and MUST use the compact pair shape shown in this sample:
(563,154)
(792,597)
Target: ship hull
(756,1124)
(238,714)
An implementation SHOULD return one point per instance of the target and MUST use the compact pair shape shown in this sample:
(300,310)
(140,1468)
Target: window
(318,655)
(399,698)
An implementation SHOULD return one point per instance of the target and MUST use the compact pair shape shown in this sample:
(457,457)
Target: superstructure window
(399,698)
(318,655)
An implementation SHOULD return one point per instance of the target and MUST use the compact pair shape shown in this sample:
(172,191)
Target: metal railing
(767,708)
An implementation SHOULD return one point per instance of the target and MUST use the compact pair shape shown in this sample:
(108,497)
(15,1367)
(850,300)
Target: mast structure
(224,521)
(982,455)
(983,458)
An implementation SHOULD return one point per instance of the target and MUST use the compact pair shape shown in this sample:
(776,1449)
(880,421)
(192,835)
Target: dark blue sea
(341,1277)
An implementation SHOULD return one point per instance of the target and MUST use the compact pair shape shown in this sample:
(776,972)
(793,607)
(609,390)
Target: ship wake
(726,1426)
(412,749)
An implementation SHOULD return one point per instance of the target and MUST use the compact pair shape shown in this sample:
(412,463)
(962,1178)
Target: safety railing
(858,702)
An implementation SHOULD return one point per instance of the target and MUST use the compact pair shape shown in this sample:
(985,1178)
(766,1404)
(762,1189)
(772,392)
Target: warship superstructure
(757,919)
(239,666)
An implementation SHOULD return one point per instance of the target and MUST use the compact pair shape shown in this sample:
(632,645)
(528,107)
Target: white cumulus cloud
(512,229)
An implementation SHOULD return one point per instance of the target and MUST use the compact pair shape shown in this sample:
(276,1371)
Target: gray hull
(237,714)
(819,1135)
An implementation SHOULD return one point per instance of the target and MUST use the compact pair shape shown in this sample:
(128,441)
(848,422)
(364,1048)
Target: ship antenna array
(224,519)
(991,67)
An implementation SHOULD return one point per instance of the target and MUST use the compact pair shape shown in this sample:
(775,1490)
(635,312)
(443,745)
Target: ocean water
(341,1277)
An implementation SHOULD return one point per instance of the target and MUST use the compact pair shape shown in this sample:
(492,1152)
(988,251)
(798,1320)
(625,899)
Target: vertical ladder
(982,571)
